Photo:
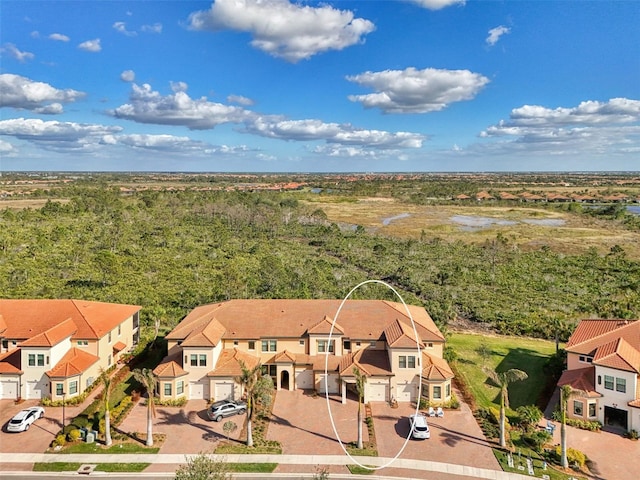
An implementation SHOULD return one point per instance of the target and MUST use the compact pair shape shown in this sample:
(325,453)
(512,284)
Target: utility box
(90,437)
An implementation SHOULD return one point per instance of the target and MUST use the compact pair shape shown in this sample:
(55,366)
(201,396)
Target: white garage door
(333,386)
(377,391)
(405,393)
(33,390)
(304,379)
(224,391)
(9,390)
(198,390)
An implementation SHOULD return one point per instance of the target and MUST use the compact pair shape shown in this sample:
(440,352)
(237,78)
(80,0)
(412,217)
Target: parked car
(419,426)
(24,418)
(225,408)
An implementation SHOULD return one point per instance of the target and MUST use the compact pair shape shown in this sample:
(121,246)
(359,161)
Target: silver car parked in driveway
(24,418)
(225,408)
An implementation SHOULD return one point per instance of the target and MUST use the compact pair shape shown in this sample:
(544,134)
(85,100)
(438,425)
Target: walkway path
(172,460)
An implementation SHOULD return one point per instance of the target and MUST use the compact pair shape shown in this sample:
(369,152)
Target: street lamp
(64,398)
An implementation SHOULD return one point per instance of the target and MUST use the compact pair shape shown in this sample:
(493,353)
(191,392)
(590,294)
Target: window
(235,343)
(269,345)
(167,389)
(429,345)
(301,342)
(119,329)
(621,385)
(41,360)
(324,346)
(83,343)
(357,344)
(32,360)
(203,360)
(599,379)
(372,343)
(592,409)
(5,344)
(608,382)
(180,387)
(109,360)
(59,389)
(271,370)
(437,392)
(252,345)
(194,360)
(411,361)
(73,387)
(448,390)
(405,361)
(402,361)
(109,337)
(584,358)
(578,408)
(346,344)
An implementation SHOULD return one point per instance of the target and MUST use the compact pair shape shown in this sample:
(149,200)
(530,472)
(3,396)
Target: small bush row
(170,402)
(593,426)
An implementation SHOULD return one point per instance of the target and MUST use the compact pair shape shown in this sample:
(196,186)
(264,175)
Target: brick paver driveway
(34,440)
(187,429)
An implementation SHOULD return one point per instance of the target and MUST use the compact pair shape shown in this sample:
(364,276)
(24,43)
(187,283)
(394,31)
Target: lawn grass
(252,467)
(553,474)
(101,467)
(505,353)
(115,448)
(358,470)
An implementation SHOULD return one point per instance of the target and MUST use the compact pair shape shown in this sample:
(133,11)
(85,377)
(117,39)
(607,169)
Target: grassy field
(525,354)
(527,226)
(101,467)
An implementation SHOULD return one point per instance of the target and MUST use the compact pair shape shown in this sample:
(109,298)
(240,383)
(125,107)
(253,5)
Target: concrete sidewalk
(172,460)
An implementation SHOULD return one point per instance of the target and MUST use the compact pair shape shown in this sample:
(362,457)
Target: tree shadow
(182,417)
(283,421)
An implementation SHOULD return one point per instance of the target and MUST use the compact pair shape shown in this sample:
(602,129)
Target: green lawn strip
(116,448)
(367,451)
(525,354)
(358,470)
(518,460)
(101,467)
(252,467)
(243,449)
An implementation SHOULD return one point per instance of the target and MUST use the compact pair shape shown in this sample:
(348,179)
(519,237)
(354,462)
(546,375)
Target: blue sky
(284,86)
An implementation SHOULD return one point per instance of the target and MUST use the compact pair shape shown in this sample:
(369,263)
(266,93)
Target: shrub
(73,435)
(537,440)
(60,440)
(528,417)
(81,421)
(573,456)
(633,434)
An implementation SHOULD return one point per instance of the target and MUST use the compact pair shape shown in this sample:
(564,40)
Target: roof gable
(581,379)
(229,363)
(435,368)
(207,334)
(400,335)
(618,354)
(324,327)
(74,362)
(52,336)
(590,334)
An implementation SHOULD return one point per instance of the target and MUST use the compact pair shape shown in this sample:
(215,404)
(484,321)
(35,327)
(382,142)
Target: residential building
(56,348)
(297,341)
(603,364)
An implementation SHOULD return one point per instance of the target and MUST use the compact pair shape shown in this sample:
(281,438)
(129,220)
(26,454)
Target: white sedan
(24,418)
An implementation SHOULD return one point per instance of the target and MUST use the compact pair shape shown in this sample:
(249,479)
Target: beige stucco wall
(174,382)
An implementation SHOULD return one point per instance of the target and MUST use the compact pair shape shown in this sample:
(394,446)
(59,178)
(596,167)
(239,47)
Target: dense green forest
(169,251)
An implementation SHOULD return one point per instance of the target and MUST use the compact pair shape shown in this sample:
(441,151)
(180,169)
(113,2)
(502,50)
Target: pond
(388,220)
(635,209)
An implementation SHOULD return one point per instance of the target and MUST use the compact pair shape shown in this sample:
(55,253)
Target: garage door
(9,390)
(198,391)
(224,391)
(33,390)
(304,379)
(377,391)
(405,393)
(333,386)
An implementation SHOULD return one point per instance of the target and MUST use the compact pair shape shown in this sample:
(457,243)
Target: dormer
(319,343)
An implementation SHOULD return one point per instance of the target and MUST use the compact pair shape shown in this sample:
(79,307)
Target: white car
(419,426)
(24,418)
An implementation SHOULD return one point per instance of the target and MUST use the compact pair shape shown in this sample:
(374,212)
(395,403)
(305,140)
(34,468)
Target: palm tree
(106,394)
(565,392)
(257,387)
(502,381)
(360,381)
(148,380)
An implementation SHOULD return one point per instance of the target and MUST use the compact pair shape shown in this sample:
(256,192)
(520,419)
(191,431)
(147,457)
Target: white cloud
(91,46)
(128,76)
(148,106)
(283,29)
(16,53)
(6,148)
(24,93)
(496,33)
(122,28)
(417,91)
(591,127)
(59,37)
(343,134)
(437,4)
(161,142)
(178,87)
(155,28)
(240,100)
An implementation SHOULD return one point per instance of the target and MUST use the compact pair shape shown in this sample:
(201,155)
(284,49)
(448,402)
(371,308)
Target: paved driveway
(34,440)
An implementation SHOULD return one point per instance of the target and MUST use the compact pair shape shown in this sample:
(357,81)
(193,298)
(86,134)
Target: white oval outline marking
(326,375)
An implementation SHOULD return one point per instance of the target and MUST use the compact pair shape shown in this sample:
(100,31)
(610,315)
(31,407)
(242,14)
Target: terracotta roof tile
(324,327)
(74,362)
(580,379)
(590,334)
(28,318)
(400,335)
(207,334)
(228,364)
(618,354)
(10,362)
(435,368)
(170,367)
(119,346)
(634,403)
(52,336)
(369,361)
(283,357)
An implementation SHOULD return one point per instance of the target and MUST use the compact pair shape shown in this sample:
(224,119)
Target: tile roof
(52,336)
(228,364)
(258,318)
(399,335)
(369,361)
(324,327)
(119,346)
(283,357)
(435,368)
(580,379)
(28,318)
(591,333)
(10,362)
(207,334)
(634,403)
(618,354)
(3,324)
(170,367)
(74,362)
